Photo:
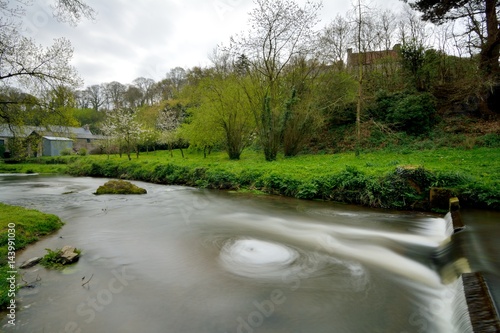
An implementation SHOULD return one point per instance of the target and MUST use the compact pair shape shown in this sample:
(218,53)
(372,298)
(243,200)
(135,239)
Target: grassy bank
(384,179)
(380,179)
(57,165)
(30,225)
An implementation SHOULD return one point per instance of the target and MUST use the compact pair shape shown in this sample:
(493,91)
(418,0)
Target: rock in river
(120,187)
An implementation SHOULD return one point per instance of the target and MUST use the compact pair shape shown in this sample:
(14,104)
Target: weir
(483,314)
(482,311)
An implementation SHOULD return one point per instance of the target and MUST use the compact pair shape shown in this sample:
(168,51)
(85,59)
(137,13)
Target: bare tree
(115,93)
(96,96)
(146,86)
(133,96)
(25,64)
(334,41)
(177,77)
(280,31)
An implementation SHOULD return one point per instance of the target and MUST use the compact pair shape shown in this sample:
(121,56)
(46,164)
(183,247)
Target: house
(48,140)
(372,57)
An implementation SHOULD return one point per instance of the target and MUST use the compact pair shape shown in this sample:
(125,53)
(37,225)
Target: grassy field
(30,225)
(483,164)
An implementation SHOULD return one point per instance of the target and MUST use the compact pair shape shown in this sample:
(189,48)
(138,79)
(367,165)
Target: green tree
(302,116)
(483,30)
(225,101)
(281,30)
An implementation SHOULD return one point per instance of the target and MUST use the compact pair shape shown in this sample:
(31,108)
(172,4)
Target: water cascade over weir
(474,309)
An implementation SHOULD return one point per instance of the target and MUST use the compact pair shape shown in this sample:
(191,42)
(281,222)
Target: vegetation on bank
(30,225)
(382,179)
(386,179)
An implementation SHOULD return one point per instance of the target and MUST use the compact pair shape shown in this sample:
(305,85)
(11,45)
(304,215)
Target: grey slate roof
(7,131)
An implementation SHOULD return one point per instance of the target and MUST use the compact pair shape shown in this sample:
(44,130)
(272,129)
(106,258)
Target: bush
(82,152)
(66,152)
(491,140)
(411,112)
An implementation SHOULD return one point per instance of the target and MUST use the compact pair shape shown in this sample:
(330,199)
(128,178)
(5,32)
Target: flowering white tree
(167,122)
(122,126)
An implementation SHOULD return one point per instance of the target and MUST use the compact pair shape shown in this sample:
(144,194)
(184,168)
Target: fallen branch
(83,284)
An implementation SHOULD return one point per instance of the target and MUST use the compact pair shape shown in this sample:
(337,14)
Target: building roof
(56,138)
(49,130)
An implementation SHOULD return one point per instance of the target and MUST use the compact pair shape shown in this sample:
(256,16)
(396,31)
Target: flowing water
(180,259)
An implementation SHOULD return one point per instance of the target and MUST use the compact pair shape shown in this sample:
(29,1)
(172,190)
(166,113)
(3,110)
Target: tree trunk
(490,51)
(489,56)
(360,82)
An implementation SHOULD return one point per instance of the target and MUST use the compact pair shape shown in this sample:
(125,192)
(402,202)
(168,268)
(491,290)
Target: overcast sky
(134,38)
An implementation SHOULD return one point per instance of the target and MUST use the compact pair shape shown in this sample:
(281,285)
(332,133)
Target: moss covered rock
(119,187)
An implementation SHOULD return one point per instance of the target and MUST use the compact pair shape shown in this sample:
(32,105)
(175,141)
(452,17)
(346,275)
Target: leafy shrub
(279,184)
(307,191)
(491,140)
(221,179)
(451,179)
(54,260)
(82,152)
(66,152)
(249,177)
(411,112)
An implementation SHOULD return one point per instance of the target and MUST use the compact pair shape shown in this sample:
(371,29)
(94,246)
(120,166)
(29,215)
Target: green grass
(481,163)
(378,179)
(30,225)
(373,179)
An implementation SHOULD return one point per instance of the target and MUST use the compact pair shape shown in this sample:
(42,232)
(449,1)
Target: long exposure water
(180,259)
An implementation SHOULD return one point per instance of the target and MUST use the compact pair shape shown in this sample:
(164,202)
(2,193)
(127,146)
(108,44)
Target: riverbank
(26,226)
(382,179)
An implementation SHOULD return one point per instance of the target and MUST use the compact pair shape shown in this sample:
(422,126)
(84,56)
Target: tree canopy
(480,18)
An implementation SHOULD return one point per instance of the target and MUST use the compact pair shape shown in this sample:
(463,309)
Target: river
(180,259)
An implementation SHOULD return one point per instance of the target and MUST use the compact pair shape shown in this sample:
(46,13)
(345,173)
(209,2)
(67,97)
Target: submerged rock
(30,262)
(119,187)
